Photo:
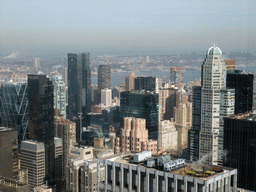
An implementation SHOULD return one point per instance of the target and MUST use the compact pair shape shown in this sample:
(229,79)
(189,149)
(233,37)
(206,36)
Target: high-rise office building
(141,105)
(243,85)
(104,77)
(59,94)
(106,97)
(147,84)
(167,101)
(14,107)
(167,136)
(66,130)
(213,81)
(32,157)
(193,133)
(41,118)
(8,153)
(240,145)
(58,167)
(79,84)
(129,81)
(176,76)
(230,65)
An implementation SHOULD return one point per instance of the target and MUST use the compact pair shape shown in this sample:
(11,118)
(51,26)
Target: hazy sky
(126,25)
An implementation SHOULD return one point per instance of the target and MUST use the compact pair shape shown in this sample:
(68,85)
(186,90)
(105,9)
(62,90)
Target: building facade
(193,133)
(134,137)
(213,81)
(176,76)
(32,157)
(167,101)
(147,84)
(104,77)
(243,85)
(79,84)
(123,175)
(167,136)
(41,118)
(240,145)
(129,81)
(14,107)
(59,94)
(9,153)
(106,97)
(141,105)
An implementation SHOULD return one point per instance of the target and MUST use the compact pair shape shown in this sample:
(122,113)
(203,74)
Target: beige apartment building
(135,137)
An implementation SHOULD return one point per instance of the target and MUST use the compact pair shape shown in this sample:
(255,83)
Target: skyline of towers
(79,84)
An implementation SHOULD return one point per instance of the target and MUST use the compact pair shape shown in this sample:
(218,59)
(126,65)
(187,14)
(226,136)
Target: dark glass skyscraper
(141,105)
(193,134)
(104,79)
(145,83)
(41,118)
(79,84)
(243,85)
(240,144)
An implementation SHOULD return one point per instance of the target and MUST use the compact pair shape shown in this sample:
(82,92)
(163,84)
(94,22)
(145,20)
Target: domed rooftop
(214,51)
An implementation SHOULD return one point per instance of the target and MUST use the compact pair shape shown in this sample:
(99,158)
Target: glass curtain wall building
(59,94)
(141,105)
(14,107)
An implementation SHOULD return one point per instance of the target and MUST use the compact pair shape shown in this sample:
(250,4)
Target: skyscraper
(176,76)
(32,157)
(41,118)
(129,81)
(213,81)
(106,97)
(59,94)
(243,85)
(79,84)
(14,107)
(141,105)
(147,83)
(240,144)
(104,79)
(193,133)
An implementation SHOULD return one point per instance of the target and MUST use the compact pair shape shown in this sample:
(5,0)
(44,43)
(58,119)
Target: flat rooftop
(250,116)
(189,169)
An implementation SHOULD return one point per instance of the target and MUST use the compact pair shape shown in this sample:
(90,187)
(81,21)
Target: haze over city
(125,27)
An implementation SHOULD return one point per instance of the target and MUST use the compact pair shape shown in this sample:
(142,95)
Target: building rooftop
(214,51)
(194,170)
(250,116)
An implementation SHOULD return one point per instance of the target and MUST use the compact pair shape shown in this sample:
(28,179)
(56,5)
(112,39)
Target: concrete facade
(123,176)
